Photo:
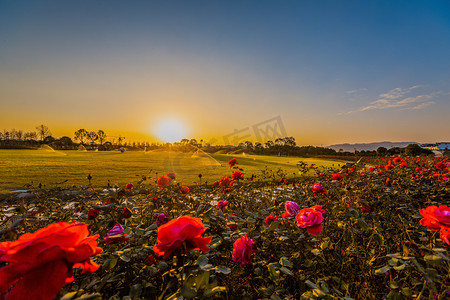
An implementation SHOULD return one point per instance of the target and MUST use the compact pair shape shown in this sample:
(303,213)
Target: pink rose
(242,251)
(317,189)
(291,208)
(311,219)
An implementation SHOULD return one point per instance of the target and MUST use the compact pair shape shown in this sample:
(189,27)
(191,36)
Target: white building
(443,146)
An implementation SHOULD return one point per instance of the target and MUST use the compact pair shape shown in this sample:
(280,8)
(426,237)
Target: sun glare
(170,130)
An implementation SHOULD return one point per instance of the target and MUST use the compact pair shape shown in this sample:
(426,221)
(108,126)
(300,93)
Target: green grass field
(22,167)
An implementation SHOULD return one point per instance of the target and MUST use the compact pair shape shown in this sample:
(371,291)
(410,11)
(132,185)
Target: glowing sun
(170,130)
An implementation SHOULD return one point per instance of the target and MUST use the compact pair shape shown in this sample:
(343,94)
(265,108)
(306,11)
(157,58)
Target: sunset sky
(332,71)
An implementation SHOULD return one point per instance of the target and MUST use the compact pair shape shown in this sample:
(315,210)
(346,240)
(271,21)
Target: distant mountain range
(369,146)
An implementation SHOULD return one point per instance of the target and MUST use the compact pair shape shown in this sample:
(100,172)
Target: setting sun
(170,130)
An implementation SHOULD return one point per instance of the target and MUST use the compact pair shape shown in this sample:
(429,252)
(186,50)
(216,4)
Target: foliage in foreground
(370,245)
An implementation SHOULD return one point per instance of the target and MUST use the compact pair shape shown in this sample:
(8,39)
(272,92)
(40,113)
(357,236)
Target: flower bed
(367,231)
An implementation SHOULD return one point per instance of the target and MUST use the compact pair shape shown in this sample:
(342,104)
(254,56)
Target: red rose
(434,218)
(232,162)
(242,251)
(163,181)
(286,215)
(270,219)
(225,181)
(232,226)
(93,213)
(222,204)
(445,235)
(336,176)
(184,190)
(389,166)
(311,219)
(129,186)
(441,165)
(40,263)
(127,213)
(182,233)
(317,189)
(150,260)
(237,175)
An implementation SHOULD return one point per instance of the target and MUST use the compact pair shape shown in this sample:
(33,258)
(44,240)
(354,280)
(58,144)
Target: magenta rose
(242,250)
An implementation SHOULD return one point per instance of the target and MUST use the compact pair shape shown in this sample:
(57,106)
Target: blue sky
(335,71)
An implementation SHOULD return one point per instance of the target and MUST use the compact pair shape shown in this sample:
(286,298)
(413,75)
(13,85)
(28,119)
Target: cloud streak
(398,98)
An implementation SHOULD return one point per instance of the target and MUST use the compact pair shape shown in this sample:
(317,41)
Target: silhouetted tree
(92,136)
(48,139)
(43,131)
(120,140)
(65,141)
(81,135)
(101,137)
(382,151)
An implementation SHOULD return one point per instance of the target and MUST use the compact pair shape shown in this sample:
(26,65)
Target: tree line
(19,139)
(98,140)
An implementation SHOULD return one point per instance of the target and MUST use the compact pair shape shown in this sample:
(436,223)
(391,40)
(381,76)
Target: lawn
(20,168)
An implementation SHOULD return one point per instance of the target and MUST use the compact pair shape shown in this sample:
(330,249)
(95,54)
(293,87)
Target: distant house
(429,146)
(443,146)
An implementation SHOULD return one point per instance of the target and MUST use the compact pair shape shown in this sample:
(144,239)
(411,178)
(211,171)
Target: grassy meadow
(20,168)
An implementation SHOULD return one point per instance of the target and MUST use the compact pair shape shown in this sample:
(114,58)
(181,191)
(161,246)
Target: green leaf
(109,263)
(213,291)
(273,226)
(286,262)
(315,252)
(162,265)
(215,244)
(202,279)
(382,270)
(406,292)
(202,260)
(286,271)
(275,297)
(188,292)
(400,267)
(95,296)
(433,259)
(378,238)
(364,226)
(125,258)
(393,284)
(312,285)
(135,291)
(274,273)
(223,269)
(69,296)
(207,267)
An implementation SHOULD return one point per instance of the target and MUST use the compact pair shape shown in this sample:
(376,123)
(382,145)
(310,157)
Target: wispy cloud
(399,92)
(356,91)
(397,98)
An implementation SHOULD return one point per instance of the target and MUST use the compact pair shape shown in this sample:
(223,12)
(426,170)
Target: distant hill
(369,146)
